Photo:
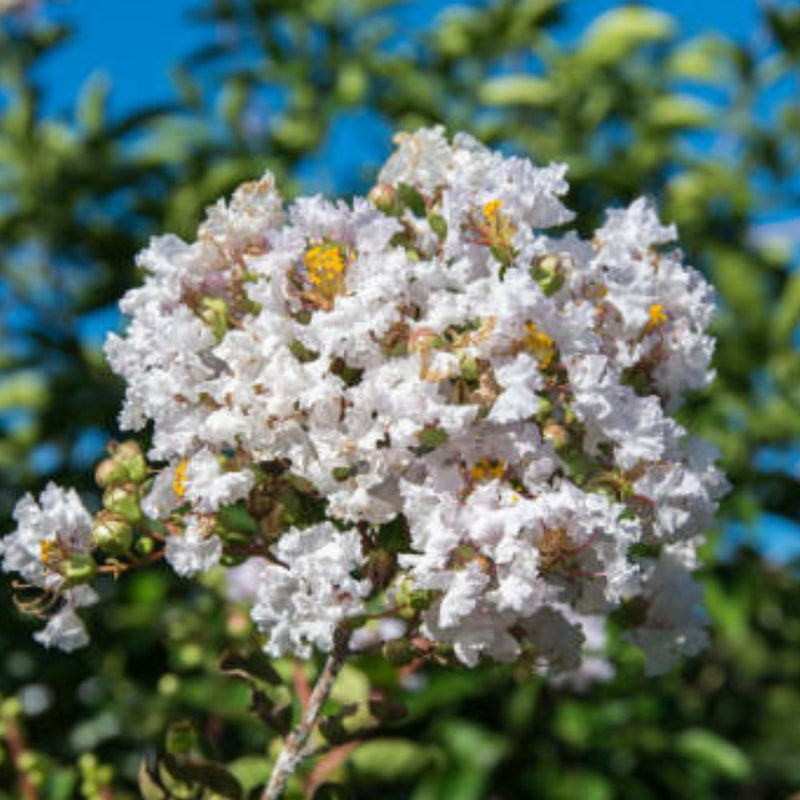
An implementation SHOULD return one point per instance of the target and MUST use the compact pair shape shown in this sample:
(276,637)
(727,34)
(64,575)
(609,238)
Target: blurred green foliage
(709,127)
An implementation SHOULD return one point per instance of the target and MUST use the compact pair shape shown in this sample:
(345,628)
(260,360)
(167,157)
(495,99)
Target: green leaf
(26,389)
(787,313)
(91,109)
(617,33)
(714,752)
(412,199)
(207,774)
(700,59)
(679,111)
(251,771)
(148,787)
(391,760)
(524,90)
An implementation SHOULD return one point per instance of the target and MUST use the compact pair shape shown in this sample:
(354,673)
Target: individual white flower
(64,631)
(197,549)
(310,591)
(676,621)
(47,534)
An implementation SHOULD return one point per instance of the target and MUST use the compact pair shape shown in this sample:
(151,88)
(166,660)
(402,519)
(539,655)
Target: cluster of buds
(435,416)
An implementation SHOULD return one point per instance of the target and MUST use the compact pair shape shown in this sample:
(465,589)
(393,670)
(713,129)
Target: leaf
(517,90)
(248,666)
(617,33)
(392,760)
(700,59)
(251,771)
(91,109)
(208,774)
(24,389)
(679,111)
(412,199)
(716,753)
(787,314)
(148,788)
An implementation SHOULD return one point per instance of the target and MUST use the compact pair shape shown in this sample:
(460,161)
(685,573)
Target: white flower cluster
(436,403)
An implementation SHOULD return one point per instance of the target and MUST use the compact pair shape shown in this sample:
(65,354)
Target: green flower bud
(109,472)
(385,198)
(420,599)
(129,455)
(79,568)
(181,738)
(399,651)
(123,499)
(556,434)
(111,533)
(438,225)
(214,312)
(145,545)
(548,272)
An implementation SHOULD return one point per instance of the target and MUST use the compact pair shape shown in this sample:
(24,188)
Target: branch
(292,753)
(16,748)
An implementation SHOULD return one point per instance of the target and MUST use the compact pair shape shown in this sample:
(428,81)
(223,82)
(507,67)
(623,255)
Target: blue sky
(135,42)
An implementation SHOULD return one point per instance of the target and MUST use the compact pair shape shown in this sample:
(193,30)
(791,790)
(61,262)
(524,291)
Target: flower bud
(79,568)
(421,599)
(123,499)
(469,367)
(438,224)
(181,738)
(548,272)
(145,545)
(111,533)
(385,198)
(130,457)
(214,312)
(109,472)
(399,651)
(556,434)
(380,569)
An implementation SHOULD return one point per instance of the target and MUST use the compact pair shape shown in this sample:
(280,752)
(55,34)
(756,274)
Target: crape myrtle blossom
(50,550)
(435,412)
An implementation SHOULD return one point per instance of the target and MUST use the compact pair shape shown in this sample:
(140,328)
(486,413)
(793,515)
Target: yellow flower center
(179,479)
(491,211)
(487,469)
(540,344)
(657,317)
(48,551)
(326,265)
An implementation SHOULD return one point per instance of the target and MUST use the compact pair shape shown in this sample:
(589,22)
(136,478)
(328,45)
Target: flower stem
(293,749)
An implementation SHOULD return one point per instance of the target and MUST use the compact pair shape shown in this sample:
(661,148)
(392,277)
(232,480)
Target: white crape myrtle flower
(301,599)
(51,543)
(435,411)
(196,549)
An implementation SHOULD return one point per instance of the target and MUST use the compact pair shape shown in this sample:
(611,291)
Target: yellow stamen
(487,469)
(657,317)
(491,211)
(540,344)
(325,265)
(48,551)
(179,479)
